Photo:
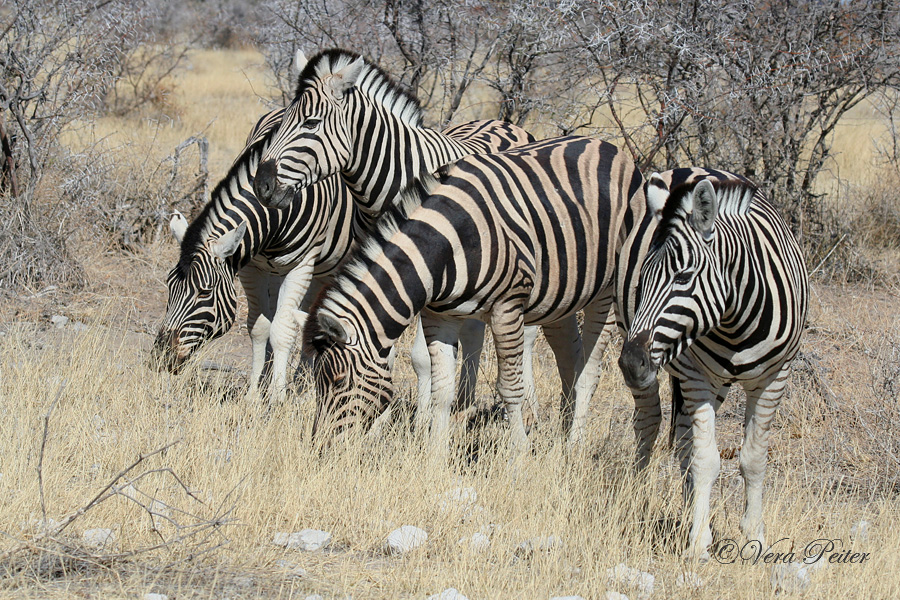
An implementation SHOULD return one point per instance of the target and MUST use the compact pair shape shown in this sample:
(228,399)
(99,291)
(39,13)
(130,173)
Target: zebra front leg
(256,288)
(421,363)
(530,408)
(442,335)
(565,342)
(507,327)
(704,464)
(288,321)
(599,324)
(762,402)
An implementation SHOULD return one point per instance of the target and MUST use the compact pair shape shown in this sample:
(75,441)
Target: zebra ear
(300,61)
(226,245)
(178,225)
(333,328)
(657,194)
(705,209)
(345,79)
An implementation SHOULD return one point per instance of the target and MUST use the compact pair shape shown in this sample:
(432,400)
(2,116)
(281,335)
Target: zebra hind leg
(421,363)
(762,402)
(565,342)
(507,327)
(471,341)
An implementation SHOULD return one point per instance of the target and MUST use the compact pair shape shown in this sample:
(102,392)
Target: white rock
(568,597)
(404,539)
(98,538)
(44,526)
(614,596)
(308,540)
(625,576)
(153,596)
(689,580)
(314,597)
(790,578)
(860,531)
(477,542)
(538,544)
(242,582)
(59,321)
(448,594)
(459,498)
(221,455)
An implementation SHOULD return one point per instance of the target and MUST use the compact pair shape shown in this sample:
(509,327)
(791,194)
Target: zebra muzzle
(265,183)
(635,363)
(168,354)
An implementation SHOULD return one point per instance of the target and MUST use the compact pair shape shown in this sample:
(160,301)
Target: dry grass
(248,473)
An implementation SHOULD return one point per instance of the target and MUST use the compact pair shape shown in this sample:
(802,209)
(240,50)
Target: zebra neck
(392,158)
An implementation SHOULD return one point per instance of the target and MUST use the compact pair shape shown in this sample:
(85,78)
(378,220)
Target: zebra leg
(762,402)
(421,363)
(599,324)
(288,321)
(442,336)
(565,341)
(507,327)
(256,288)
(471,341)
(530,409)
(704,463)
(647,417)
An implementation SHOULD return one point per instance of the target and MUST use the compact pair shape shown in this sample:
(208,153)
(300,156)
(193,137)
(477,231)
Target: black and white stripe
(721,298)
(276,254)
(524,237)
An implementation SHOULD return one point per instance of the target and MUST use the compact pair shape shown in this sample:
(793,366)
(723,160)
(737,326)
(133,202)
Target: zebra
(350,117)
(721,298)
(277,254)
(526,236)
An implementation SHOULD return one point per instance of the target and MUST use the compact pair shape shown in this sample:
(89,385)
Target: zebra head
(316,133)
(681,293)
(353,381)
(202,302)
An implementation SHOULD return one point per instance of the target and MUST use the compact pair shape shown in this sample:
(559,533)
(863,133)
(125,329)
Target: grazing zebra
(275,254)
(721,299)
(523,237)
(350,117)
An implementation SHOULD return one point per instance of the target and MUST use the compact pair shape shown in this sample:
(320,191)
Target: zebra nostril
(264,182)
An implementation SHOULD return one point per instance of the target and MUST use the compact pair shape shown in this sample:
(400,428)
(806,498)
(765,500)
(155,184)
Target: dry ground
(78,405)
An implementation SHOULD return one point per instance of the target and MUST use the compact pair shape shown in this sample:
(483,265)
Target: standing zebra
(349,117)
(275,254)
(721,299)
(527,236)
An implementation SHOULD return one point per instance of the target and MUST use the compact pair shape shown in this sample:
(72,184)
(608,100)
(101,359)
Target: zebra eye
(684,277)
(204,293)
(310,124)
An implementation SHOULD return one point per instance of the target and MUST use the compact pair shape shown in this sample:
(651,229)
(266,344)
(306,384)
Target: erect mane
(734,193)
(198,230)
(373,82)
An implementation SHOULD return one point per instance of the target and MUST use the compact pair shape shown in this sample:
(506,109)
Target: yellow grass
(250,471)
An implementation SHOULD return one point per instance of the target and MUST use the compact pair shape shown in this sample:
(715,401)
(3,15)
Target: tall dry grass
(238,472)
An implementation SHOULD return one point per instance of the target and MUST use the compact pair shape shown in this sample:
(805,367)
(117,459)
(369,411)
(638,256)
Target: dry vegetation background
(217,477)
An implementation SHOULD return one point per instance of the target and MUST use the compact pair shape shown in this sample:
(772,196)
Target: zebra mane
(373,82)
(199,229)
(735,194)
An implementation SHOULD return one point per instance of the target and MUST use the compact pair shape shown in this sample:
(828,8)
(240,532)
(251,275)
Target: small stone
(242,582)
(624,576)
(790,578)
(460,499)
(860,531)
(478,542)
(59,321)
(291,567)
(314,597)
(154,596)
(538,544)
(448,594)
(308,540)
(98,538)
(609,595)
(79,327)
(221,455)
(44,526)
(567,597)
(689,580)
(404,539)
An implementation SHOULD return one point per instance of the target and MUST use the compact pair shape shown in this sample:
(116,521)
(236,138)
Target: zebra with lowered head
(350,117)
(276,254)
(523,237)
(721,298)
